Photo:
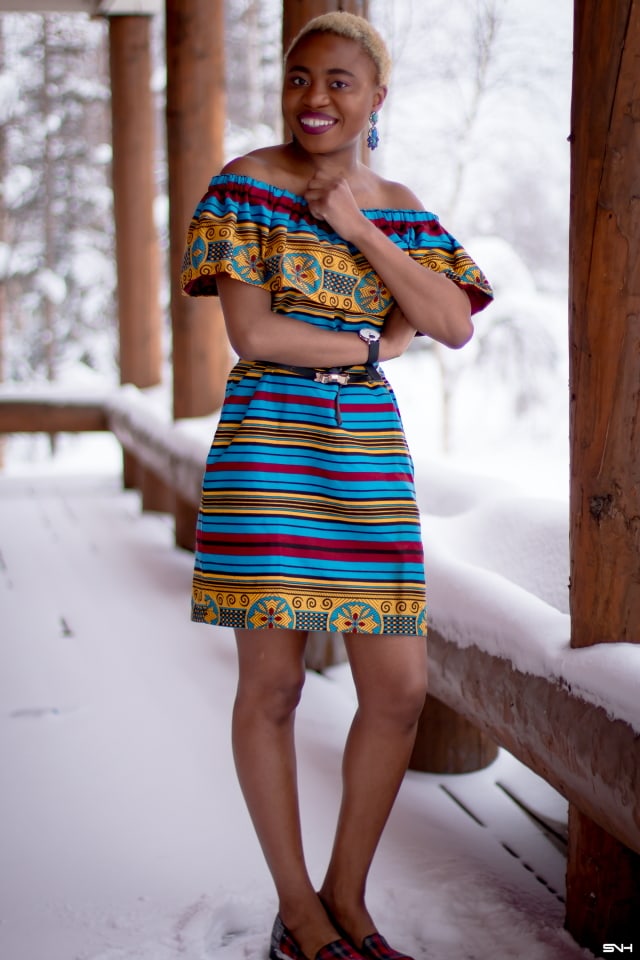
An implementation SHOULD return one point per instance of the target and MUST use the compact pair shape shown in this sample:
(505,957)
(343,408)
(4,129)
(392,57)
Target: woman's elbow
(457,326)
(245,341)
(460,333)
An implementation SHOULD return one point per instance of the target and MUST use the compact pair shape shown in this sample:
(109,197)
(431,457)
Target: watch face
(369,335)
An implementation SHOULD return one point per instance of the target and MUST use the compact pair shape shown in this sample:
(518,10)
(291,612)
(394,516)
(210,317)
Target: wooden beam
(43,415)
(137,251)
(605,324)
(589,758)
(602,906)
(160,447)
(603,892)
(195,148)
(447,742)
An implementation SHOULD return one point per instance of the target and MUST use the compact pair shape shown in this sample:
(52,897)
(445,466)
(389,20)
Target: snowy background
(123,833)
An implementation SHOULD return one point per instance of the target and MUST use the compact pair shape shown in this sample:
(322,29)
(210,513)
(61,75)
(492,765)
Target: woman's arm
(431,303)
(257,333)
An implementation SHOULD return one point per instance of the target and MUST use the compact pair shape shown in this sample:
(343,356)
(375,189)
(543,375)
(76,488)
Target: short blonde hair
(352,27)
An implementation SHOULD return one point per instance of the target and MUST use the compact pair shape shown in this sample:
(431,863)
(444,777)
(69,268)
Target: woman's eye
(297,81)
(339,84)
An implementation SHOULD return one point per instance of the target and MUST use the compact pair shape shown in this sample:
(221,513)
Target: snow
(123,832)
(8,96)
(51,285)
(17,183)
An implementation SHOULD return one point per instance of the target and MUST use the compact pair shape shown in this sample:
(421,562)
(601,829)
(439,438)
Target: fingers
(324,191)
(331,200)
(318,196)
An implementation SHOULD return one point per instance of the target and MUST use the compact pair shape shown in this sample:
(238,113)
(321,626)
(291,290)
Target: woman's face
(328,93)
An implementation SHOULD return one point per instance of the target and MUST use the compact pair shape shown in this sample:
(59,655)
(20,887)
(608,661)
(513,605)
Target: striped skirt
(308,519)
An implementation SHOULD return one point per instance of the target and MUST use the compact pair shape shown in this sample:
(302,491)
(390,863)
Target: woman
(308,518)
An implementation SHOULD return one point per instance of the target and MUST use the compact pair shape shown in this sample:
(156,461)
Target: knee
(272,698)
(400,704)
(409,702)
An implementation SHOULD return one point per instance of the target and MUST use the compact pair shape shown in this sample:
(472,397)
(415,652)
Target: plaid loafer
(375,947)
(284,947)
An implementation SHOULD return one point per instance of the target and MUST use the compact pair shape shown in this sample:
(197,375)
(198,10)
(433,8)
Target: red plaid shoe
(375,947)
(284,947)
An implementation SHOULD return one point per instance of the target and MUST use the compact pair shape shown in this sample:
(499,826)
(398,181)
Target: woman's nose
(316,93)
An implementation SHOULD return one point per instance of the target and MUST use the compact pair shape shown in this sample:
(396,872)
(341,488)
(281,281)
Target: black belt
(339,375)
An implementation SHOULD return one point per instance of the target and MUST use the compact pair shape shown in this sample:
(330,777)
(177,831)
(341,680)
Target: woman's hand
(397,334)
(331,199)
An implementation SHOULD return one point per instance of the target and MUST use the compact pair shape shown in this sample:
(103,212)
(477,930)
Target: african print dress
(308,518)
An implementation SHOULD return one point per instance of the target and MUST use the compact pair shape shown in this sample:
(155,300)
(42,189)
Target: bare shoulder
(267,164)
(396,196)
(251,165)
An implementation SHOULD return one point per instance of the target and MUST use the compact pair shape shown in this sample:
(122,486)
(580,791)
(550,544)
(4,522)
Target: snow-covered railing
(499,647)
(498,590)
(174,451)
(47,409)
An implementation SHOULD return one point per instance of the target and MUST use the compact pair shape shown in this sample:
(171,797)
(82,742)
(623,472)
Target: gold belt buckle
(339,378)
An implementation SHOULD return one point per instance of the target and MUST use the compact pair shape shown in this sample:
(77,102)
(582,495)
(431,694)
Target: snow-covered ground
(123,834)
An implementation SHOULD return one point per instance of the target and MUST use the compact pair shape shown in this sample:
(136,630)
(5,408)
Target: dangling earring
(373,138)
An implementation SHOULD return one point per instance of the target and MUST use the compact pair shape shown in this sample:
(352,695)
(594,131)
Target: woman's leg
(390,675)
(270,681)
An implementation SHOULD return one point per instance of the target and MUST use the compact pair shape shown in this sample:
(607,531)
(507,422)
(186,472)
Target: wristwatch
(372,338)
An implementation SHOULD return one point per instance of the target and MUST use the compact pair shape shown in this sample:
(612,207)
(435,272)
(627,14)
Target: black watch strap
(374,352)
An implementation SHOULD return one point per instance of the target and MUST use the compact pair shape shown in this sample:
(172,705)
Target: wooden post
(137,251)
(605,324)
(295,13)
(603,889)
(3,235)
(446,742)
(603,884)
(195,147)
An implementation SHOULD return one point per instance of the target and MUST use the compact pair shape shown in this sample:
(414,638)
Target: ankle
(349,914)
(307,922)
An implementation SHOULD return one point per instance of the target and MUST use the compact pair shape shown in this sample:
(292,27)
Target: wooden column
(195,142)
(605,324)
(603,888)
(446,742)
(137,251)
(295,13)
(3,236)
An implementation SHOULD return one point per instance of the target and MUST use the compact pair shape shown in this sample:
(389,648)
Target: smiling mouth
(316,124)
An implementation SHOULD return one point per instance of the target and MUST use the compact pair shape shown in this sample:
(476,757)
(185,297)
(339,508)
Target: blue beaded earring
(373,138)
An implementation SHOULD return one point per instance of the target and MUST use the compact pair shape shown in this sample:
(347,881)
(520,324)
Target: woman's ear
(379,97)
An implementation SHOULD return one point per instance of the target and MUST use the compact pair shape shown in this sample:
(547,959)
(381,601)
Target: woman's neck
(344,164)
